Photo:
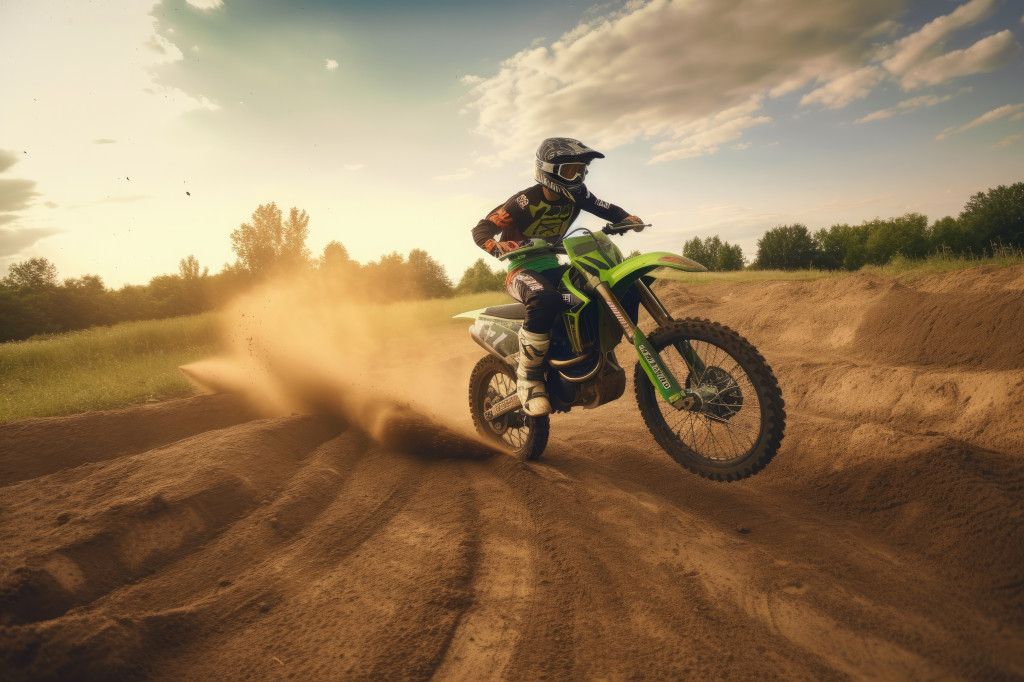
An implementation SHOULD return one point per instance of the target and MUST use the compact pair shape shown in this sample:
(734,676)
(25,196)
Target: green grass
(899,267)
(944,261)
(699,278)
(103,367)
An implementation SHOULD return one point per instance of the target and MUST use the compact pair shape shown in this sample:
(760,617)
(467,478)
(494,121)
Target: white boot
(530,374)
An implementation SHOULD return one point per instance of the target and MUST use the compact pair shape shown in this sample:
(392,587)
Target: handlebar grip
(621,228)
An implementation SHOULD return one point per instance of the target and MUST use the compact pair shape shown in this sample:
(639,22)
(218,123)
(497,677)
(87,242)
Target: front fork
(658,373)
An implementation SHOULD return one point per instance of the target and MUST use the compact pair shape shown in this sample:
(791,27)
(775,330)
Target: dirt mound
(379,540)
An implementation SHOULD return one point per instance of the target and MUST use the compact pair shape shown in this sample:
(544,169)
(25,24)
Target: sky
(134,133)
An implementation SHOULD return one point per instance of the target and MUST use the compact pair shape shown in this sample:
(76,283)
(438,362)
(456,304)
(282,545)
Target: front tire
(524,436)
(737,431)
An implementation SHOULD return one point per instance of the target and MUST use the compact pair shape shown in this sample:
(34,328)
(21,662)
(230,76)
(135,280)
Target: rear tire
(524,436)
(737,432)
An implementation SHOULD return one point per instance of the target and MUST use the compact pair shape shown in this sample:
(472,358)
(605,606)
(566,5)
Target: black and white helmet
(562,164)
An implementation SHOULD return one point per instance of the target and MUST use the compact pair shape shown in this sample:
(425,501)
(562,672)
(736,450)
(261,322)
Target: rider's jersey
(529,214)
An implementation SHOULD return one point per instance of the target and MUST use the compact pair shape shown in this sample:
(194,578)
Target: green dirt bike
(705,393)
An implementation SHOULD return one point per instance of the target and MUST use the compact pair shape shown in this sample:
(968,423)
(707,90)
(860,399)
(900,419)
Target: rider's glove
(498,248)
(634,219)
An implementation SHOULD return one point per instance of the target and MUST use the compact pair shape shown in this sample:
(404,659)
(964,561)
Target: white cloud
(847,88)
(910,105)
(206,4)
(332,64)
(877,116)
(926,43)
(917,60)
(471,80)
(988,54)
(1015,111)
(673,71)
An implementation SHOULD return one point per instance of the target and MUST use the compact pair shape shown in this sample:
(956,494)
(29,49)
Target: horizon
(133,136)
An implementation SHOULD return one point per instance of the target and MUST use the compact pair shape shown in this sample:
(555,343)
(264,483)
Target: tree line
(989,221)
(33,300)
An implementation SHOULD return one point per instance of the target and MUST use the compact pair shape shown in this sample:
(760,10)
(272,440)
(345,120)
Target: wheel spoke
(729,423)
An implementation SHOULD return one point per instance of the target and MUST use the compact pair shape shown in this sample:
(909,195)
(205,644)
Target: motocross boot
(530,374)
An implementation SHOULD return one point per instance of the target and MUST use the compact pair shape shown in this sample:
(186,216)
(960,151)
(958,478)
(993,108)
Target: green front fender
(630,270)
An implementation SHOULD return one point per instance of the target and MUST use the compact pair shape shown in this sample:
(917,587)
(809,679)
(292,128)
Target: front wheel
(491,381)
(739,425)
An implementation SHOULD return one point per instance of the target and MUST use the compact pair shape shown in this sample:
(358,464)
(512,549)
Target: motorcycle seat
(509,311)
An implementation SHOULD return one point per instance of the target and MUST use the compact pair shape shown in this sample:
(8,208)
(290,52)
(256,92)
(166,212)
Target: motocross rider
(545,210)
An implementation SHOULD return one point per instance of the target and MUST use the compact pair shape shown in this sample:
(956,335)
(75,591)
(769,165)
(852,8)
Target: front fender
(630,270)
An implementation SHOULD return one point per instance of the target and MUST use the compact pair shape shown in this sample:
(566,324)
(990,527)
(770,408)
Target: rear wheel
(738,427)
(493,380)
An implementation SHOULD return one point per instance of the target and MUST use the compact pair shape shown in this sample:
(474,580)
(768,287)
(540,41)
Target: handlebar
(556,247)
(623,227)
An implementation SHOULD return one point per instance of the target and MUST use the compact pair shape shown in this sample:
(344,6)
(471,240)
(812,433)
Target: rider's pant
(539,292)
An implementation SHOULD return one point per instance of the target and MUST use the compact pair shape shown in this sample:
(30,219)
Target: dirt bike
(706,394)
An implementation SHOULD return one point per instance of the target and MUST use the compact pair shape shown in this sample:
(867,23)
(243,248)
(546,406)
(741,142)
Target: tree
(841,247)
(267,245)
(704,251)
(730,257)
(294,253)
(948,233)
(428,276)
(387,279)
(34,274)
(479,277)
(785,247)
(335,258)
(714,254)
(995,216)
(188,268)
(82,302)
(906,235)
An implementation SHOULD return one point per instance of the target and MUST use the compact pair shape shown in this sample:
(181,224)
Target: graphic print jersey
(529,214)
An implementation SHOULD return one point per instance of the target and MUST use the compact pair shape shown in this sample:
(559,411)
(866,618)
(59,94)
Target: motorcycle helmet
(562,164)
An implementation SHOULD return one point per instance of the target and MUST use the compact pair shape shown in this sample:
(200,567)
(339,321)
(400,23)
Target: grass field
(103,367)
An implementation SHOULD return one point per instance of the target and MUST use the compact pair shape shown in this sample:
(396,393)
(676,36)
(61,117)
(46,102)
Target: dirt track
(190,540)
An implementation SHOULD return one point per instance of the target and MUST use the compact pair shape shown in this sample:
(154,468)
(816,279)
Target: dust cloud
(295,345)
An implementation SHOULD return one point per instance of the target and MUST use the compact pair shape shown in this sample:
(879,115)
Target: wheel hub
(722,396)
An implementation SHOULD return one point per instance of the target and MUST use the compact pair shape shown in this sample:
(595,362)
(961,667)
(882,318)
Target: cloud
(13,241)
(1015,111)
(332,64)
(984,56)
(16,194)
(926,43)
(847,88)
(917,60)
(104,140)
(1007,141)
(206,4)
(910,105)
(353,166)
(7,159)
(672,71)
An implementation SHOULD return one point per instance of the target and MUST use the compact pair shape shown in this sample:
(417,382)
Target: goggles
(567,171)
